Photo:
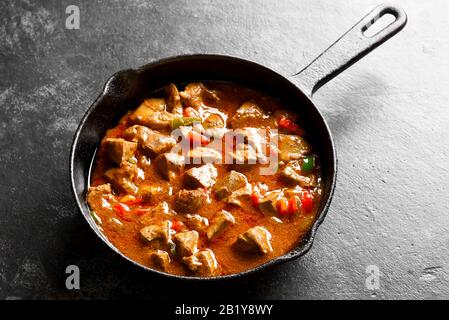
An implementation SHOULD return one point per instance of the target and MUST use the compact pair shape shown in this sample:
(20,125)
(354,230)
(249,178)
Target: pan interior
(126,88)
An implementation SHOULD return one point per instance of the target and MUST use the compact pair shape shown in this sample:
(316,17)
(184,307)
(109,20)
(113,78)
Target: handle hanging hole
(377,24)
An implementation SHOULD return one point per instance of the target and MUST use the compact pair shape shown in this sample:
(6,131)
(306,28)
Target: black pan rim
(304,245)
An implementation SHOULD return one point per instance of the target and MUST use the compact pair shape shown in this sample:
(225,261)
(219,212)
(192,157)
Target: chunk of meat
(255,240)
(157,232)
(292,147)
(147,108)
(132,170)
(121,180)
(197,95)
(214,121)
(197,222)
(160,259)
(292,174)
(202,263)
(119,149)
(159,120)
(231,182)
(240,196)
(173,100)
(186,243)
(250,114)
(150,141)
(189,200)
(152,113)
(137,133)
(170,165)
(219,222)
(96,196)
(97,192)
(202,177)
(203,155)
(268,203)
(150,194)
(153,214)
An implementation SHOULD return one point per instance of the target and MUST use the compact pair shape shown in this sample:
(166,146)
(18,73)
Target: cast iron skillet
(125,88)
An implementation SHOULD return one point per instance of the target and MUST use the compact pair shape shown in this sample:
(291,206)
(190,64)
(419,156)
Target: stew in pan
(213,180)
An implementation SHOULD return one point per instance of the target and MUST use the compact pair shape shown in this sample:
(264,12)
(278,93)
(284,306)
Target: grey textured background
(389,115)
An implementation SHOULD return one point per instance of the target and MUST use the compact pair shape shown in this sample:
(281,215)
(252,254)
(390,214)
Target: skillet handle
(349,48)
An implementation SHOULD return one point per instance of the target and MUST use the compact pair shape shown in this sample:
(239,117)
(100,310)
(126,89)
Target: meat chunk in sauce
(160,259)
(189,201)
(214,121)
(241,196)
(161,210)
(96,193)
(150,194)
(132,170)
(152,113)
(159,120)
(170,165)
(292,147)
(157,232)
(234,188)
(203,155)
(152,142)
(255,240)
(122,180)
(186,243)
(96,196)
(202,177)
(219,222)
(147,107)
(231,182)
(268,203)
(173,100)
(120,150)
(197,95)
(202,263)
(248,114)
(292,174)
(197,222)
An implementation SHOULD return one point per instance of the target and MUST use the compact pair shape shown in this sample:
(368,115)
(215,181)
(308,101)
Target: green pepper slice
(308,164)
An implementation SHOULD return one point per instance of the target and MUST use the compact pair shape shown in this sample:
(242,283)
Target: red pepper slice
(307,201)
(282,206)
(289,125)
(176,225)
(141,211)
(292,205)
(130,200)
(255,199)
(121,210)
(190,112)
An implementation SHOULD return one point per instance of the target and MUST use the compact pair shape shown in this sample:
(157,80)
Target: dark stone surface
(389,115)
